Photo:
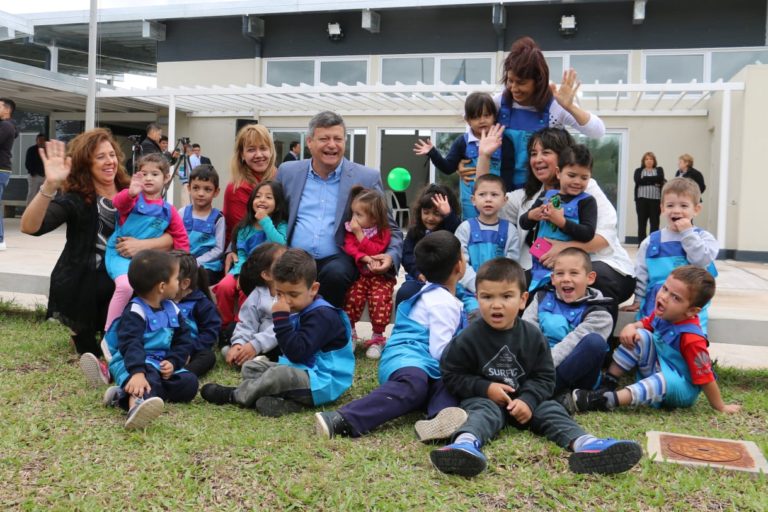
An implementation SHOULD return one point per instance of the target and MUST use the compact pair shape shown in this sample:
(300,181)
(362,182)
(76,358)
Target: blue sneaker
(463,459)
(606,457)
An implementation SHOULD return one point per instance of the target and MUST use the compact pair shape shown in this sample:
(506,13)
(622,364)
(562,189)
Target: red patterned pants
(376,290)
(228,299)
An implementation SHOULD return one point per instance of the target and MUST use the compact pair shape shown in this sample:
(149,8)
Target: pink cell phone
(540,247)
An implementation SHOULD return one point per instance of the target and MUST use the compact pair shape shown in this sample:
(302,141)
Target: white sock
(465,437)
(580,441)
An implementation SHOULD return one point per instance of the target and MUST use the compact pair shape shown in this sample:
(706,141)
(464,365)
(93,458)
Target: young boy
(678,244)
(204,223)
(316,341)
(486,236)
(669,350)
(150,343)
(507,380)
(575,320)
(409,372)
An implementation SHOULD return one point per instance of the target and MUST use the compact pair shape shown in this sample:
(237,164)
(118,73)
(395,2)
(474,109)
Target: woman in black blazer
(649,178)
(686,170)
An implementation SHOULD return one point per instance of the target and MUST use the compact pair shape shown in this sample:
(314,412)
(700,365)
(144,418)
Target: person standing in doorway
(34,165)
(649,178)
(686,170)
(8,133)
(293,154)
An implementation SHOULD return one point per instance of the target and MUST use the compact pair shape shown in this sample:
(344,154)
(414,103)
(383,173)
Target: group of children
(472,378)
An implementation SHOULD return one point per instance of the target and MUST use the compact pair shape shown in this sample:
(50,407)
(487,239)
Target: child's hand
(281,305)
(680,225)
(422,147)
(566,93)
(137,184)
(730,408)
(635,306)
(554,215)
(137,385)
(229,260)
(537,214)
(490,141)
(166,369)
(233,354)
(466,173)
(629,336)
(499,393)
(260,213)
(355,227)
(441,204)
(520,411)
(245,354)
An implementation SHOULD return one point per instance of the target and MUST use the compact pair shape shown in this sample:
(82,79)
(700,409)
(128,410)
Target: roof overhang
(667,99)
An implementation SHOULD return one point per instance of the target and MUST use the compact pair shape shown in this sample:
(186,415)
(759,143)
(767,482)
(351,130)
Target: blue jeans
(5,177)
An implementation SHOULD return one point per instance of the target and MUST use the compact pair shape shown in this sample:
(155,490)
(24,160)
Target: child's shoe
(112,396)
(225,351)
(274,406)
(143,412)
(606,456)
(566,400)
(105,350)
(442,426)
(356,340)
(375,346)
(590,400)
(95,371)
(463,459)
(331,424)
(216,394)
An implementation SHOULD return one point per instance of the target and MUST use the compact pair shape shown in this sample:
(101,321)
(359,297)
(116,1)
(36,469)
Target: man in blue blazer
(317,191)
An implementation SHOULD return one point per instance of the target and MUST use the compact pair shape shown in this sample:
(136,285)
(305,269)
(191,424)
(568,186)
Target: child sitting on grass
(409,372)
(669,350)
(501,368)
(150,343)
(254,335)
(315,338)
(575,320)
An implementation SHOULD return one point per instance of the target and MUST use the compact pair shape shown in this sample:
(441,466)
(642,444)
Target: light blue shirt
(316,215)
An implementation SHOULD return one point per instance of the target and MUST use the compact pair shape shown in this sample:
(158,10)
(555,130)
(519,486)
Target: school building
(688,76)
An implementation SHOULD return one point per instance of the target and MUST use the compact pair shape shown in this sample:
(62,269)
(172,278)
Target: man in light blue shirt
(318,192)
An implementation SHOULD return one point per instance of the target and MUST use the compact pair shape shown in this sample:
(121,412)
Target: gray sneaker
(112,396)
(441,426)
(143,412)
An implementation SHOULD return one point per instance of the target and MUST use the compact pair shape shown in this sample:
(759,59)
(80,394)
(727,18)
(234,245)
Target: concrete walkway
(739,312)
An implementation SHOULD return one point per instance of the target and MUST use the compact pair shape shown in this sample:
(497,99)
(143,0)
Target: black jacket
(695,175)
(648,180)
(8,133)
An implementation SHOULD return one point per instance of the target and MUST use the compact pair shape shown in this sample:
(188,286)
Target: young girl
(197,307)
(142,213)
(367,235)
(564,214)
(480,113)
(253,335)
(265,221)
(434,210)
(529,103)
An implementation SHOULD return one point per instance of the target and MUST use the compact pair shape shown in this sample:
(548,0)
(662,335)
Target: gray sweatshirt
(255,325)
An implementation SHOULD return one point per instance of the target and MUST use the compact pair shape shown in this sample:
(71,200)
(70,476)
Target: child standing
(150,343)
(565,214)
(575,320)
(480,113)
(409,373)
(678,244)
(205,224)
(196,305)
(265,221)
(368,235)
(315,338)
(486,236)
(254,334)
(669,350)
(142,213)
(507,380)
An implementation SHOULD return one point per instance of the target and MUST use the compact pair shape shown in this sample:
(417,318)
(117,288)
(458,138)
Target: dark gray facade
(601,26)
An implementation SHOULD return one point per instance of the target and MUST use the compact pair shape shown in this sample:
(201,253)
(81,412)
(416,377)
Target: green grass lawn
(61,450)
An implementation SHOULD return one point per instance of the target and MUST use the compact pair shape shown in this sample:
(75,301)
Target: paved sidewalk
(740,306)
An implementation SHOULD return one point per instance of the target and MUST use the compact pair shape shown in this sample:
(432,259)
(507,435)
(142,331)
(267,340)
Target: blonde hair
(682,187)
(685,157)
(252,135)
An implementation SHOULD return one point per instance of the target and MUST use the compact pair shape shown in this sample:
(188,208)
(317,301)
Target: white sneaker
(95,372)
(373,352)
(105,350)
(441,426)
(2,246)
(144,412)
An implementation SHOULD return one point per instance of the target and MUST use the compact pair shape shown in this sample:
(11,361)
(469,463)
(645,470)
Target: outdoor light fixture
(334,31)
(638,12)
(568,24)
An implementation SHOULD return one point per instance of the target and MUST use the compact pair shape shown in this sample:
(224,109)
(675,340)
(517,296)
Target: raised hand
(565,95)
(490,141)
(441,204)
(422,147)
(137,184)
(57,164)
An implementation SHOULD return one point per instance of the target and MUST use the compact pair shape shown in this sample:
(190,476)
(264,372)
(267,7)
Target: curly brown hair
(81,150)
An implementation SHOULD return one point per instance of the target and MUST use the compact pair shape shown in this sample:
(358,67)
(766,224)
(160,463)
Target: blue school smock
(330,373)
(486,244)
(145,221)
(557,318)
(248,239)
(466,190)
(519,124)
(202,236)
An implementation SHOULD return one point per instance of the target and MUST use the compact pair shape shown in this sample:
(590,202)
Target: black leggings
(647,210)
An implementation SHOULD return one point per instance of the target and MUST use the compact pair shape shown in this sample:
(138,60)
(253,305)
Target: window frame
(316,61)
(438,58)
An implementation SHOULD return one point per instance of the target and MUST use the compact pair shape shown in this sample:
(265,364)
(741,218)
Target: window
(727,64)
(408,70)
(677,68)
(291,72)
(348,72)
(555,68)
(603,68)
(470,71)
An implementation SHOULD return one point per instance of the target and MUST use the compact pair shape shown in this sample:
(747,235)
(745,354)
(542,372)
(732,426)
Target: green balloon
(399,179)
